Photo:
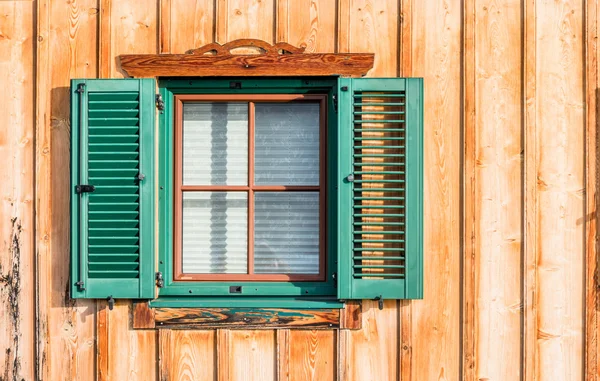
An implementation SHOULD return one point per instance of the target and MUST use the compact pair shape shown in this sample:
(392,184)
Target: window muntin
(268,149)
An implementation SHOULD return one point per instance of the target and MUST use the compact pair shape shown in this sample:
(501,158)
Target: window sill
(250,313)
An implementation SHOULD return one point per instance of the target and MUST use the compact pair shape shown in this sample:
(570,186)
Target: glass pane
(215,232)
(286,232)
(215,143)
(286,144)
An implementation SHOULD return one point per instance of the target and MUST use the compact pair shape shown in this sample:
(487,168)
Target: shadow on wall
(60,143)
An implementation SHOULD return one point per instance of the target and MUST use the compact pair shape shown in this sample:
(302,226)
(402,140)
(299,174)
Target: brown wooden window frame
(250,188)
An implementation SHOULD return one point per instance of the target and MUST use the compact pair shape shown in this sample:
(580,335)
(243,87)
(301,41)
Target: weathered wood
(223,348)
(102,351)
(187,355)
(143,316)
(437,39)
(592,142)
(350,315)
(17,224)
(224,63)
(246,318)
(283,354)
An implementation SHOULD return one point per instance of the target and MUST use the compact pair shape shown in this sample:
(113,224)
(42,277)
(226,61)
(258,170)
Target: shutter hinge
(80,88)
(111,302)
(334,277)
(380,300)
(160,103)
(160,283)
(335,102)
(80,285)
(84,188)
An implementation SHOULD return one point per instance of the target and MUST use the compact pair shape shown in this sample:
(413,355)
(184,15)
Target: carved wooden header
(215,60)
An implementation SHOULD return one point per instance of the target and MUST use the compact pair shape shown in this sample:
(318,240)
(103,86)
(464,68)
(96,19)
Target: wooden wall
(510,191)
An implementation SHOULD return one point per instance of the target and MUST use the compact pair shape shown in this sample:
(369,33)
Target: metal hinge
(160,283)
(84,188)
(334,277)
(80,285)
(380,300)
(160,103)
(335,103)
(111,302)
(80,88)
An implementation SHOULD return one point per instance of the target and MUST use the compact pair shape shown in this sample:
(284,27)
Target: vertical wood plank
(187,355)
(133,29)
(560,189)
(17,190)
(102,353)
(64,51)
(131,353)
(311,355)
(530,205)
(223,348)
(191,24)
(245,19)
(165,22)
(283,354)
(496,190)
(252,355)
(470,133)
(436,33)
(308,23)
(591,181)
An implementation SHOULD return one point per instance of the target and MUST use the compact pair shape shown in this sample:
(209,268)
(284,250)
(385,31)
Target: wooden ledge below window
(145,317)
(276,60)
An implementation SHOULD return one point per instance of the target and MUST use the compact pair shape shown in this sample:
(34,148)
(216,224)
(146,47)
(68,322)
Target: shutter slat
(112,143)
(380,127)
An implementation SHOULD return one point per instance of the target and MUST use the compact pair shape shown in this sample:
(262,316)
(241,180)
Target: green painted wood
(376,258)
(112,142)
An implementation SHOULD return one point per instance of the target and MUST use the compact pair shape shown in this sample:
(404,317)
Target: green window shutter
(380,182)
(112,149)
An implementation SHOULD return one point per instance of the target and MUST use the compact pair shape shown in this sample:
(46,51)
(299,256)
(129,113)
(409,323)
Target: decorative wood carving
(281,59)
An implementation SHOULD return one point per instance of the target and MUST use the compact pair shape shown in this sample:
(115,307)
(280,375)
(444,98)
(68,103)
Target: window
(269,188)
(249,197)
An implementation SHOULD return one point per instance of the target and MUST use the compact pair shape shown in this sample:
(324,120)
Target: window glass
(215,143)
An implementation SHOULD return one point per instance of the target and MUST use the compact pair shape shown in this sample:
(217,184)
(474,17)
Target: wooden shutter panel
(112,149)
(380,182)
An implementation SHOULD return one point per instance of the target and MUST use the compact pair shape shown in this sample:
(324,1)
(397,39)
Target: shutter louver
(380,183)
(112,146)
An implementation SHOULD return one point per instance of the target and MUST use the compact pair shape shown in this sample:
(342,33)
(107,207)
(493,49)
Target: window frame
(169,89)
(250,189)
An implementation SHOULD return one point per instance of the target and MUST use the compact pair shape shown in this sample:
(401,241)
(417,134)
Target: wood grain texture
(560,189)
(371,353)
(17,226)
(246,318)
(191,25)
(530,205)
(245,19)
(252,356)
(592,304)
(143,316)
(308,23)
(187,355)
(435,342)
(497,190)
(131,354)
(189,65)
(311,356)
(350,315)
